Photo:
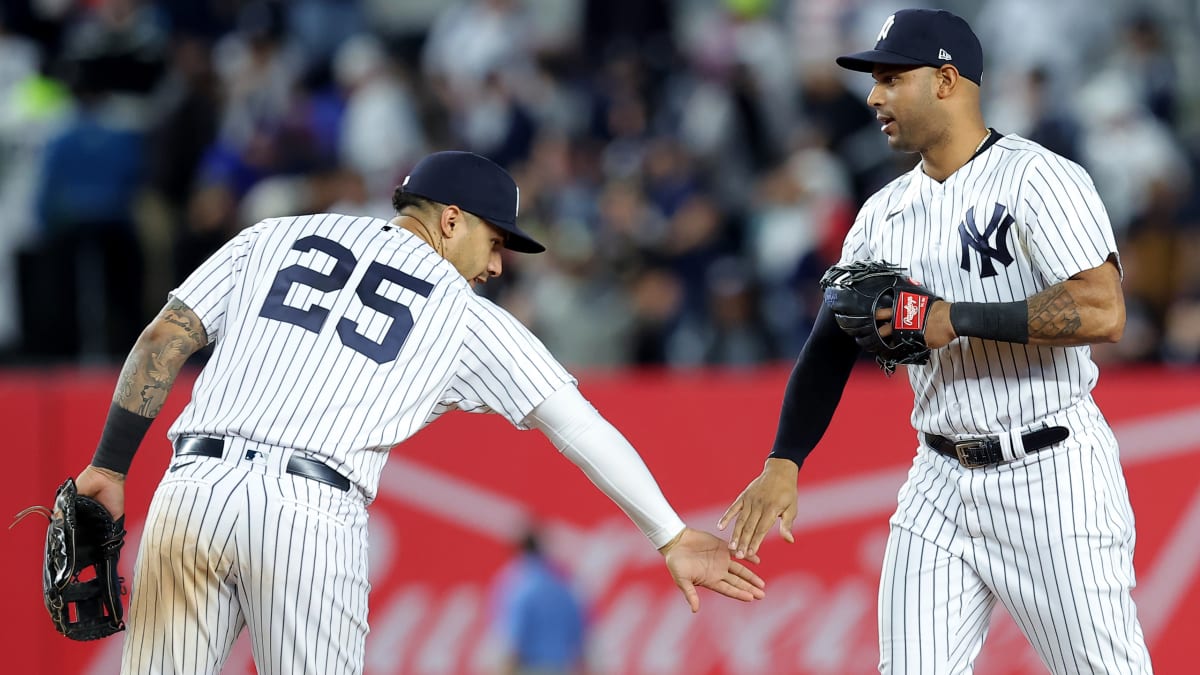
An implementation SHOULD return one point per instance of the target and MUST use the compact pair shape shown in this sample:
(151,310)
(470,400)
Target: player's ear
(946,79)
(450,220)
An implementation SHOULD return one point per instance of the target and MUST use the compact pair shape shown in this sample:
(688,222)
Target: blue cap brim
(518,240)
(865,62)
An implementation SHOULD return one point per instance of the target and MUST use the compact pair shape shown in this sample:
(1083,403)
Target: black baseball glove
(82,540)
(855,291)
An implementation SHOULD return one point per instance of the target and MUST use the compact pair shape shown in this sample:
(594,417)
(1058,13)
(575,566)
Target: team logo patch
(910,311)
(974,239)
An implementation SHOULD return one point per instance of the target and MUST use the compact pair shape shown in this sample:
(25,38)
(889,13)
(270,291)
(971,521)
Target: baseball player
(1016,494)
(336,338)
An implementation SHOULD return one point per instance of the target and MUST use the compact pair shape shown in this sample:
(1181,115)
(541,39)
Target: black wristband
(123,433)
(1003,321)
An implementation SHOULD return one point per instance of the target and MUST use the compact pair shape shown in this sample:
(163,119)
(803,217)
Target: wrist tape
(123,433)
(1002,321)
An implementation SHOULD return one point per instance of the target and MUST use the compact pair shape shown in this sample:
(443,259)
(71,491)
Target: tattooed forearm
(124,386)
(157,358)
(142,387)
(1053,313)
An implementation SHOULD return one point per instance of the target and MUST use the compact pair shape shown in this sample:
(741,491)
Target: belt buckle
(966,453)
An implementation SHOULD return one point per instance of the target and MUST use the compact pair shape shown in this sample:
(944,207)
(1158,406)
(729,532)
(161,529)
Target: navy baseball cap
(476,185)
(923,37)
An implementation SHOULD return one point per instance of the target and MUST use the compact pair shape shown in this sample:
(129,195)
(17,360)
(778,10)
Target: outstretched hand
(769,497)
(697,558)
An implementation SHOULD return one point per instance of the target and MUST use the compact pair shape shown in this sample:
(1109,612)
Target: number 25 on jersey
(313,318)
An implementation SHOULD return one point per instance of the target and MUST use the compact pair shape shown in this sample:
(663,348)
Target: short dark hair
(403,200)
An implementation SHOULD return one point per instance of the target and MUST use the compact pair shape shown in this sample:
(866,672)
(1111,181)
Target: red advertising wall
(453,497)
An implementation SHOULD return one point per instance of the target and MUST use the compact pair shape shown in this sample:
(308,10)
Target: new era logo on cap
(944,55)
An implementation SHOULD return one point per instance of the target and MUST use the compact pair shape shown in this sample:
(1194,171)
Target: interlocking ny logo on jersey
(972,238)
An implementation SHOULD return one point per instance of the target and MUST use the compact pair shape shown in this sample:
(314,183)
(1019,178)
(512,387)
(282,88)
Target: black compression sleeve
(1003,321)
(814,389)
(123,433)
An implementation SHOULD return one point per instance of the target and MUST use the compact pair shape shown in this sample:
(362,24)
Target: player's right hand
(769,497)
(696,558)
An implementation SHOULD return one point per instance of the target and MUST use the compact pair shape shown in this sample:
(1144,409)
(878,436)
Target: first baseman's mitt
(84,541)
(856,290)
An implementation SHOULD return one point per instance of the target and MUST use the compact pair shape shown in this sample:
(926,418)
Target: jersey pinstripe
(1008,224)
(343,336)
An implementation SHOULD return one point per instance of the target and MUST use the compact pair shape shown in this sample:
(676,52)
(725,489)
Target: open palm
(698,558)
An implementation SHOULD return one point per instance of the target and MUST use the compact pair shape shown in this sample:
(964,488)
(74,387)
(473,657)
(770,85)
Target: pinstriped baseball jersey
(336,338)
(342,336)
(1043,526)
(1049,535)
(1008,224)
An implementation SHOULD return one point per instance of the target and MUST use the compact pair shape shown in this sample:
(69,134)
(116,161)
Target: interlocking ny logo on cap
(887,26)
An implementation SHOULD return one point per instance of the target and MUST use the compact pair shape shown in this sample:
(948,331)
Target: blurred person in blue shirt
(87,260)
(541,619)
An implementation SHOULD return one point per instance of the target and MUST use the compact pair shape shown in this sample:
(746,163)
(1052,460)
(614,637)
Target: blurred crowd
(692,165)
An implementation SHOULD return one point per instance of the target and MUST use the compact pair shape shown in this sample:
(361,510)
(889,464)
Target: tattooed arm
(142,388)
(1085,309)
(157,357)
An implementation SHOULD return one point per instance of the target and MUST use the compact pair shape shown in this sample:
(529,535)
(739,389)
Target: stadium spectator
(655,141)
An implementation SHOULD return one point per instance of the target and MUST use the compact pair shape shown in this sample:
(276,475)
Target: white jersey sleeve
(858,242)
(1068,226)
(503,368)
(594,445)
(855,247)
(206,290)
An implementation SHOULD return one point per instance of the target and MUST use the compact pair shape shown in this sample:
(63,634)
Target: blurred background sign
(455,498)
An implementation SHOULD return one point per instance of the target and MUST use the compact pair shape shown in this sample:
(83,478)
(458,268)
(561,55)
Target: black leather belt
(974,453)
(297,465)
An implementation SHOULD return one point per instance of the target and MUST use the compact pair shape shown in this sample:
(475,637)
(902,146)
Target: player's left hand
(767,498)
(697,558)
(938,331)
